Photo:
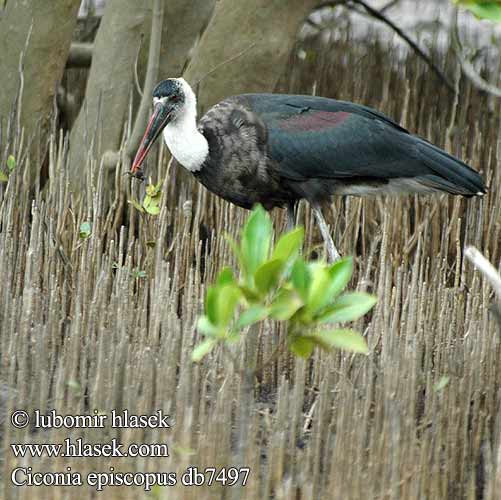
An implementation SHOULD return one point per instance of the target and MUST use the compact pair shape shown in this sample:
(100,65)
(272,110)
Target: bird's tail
(448,173)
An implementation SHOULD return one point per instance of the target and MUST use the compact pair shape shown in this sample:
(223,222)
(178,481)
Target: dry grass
(79,330)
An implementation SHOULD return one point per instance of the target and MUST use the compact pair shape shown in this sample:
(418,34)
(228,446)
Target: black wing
(316,137)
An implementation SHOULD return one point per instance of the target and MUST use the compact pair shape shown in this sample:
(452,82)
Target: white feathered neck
(188,146)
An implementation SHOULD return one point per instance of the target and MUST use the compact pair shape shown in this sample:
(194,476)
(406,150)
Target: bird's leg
(324,229)
(291,216)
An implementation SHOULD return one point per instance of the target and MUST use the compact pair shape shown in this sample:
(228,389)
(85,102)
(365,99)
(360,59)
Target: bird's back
(282,147)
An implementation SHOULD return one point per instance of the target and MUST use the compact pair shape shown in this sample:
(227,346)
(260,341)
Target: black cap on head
(168,88)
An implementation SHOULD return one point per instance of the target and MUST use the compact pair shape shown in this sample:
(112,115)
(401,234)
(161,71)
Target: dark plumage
(276,149)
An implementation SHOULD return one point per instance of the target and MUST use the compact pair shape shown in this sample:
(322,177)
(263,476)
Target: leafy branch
(11,165)
(151,202)
(483,9)
(277,283)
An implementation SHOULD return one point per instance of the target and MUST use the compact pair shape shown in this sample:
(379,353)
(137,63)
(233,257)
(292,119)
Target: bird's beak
(158,120)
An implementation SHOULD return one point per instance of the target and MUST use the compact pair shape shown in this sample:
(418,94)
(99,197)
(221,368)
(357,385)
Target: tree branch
(467,66)
(379,15)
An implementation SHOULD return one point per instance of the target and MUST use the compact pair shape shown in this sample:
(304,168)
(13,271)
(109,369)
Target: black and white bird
(277,149)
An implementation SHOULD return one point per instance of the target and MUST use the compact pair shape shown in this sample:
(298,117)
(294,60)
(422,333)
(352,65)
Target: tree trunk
(111,74)
(264,30)
(52,25)
(110,82)
(185,20)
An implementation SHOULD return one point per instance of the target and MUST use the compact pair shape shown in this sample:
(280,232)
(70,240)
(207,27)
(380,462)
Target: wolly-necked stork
(276,149)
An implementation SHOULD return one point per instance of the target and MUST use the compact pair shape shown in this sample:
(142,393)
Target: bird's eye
(174,98)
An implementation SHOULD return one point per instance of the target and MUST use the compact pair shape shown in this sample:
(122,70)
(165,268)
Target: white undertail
(188,146)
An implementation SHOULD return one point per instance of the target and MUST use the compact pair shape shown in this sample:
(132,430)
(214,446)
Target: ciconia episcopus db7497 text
(277,149)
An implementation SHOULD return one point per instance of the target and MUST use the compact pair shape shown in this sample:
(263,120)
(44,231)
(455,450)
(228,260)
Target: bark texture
(110,82)
(44,59)
(184,22)
(265,30)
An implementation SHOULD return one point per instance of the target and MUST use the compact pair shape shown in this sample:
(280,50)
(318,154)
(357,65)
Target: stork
(276,149)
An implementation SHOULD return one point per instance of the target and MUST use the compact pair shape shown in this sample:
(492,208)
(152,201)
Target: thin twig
(485,267)
(309,416)
(21,75)
(455,104)
(388,6)
(379,15)
(136,78)
(223,63)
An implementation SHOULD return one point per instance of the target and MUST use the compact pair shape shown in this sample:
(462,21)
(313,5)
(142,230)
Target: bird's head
(172,99)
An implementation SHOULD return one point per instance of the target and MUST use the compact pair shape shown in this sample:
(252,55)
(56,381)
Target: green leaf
(203,349)
(489,10)
(205,326)
(340,273)
(228,298)
(151,205)
(302,346)
(252,315)
(85,230)
(321,342)
(348,340)
(211,304)
(11,163)
(138,273)
(348,307)
(267,275)
(147,201)
(225,277)
(256,238)
(220,304)
(231,337)
(3,176)
(153,209)
(301,278)
(288,245)
(74,384)
(136,205)
(285,305)
(441,384)
(153,190)
(249,294)
(317,293)
(328,282)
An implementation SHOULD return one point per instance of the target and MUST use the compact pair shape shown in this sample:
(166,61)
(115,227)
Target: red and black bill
(158,120)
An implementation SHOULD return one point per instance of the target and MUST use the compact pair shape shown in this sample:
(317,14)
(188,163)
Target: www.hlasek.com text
(80,449)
